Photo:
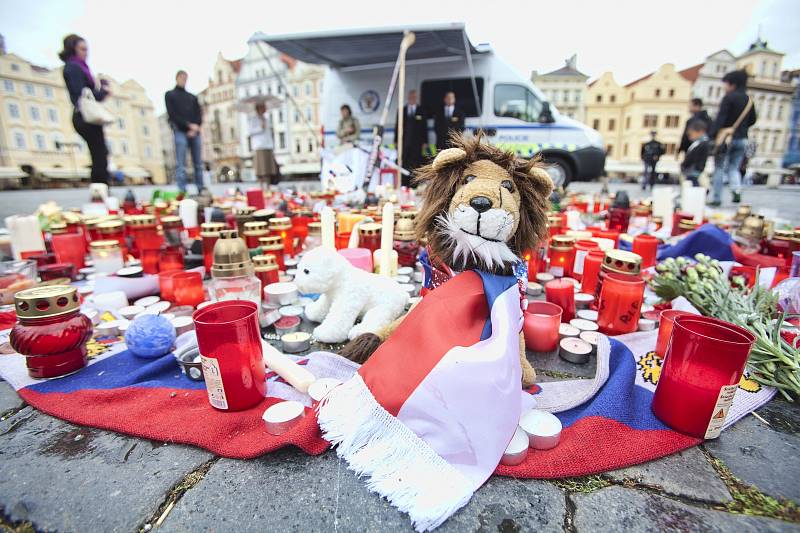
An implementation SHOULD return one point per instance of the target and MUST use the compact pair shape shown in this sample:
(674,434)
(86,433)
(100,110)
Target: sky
(150,40)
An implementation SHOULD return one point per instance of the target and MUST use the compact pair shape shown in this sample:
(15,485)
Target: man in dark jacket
(698,113)
(415,134)
(449,117)
(697,152)
(729,157)
(652,151)
(185,118)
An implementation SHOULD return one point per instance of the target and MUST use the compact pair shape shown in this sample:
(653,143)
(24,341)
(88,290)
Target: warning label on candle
(213,378)
(723,405)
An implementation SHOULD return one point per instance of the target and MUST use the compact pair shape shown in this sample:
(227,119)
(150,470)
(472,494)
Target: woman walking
(77,76)
(262,144)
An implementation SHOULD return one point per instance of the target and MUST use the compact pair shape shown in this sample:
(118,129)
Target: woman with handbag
(88,116)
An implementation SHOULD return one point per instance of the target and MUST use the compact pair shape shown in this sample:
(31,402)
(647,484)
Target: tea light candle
(592,337)
(291,310)
(157,308)
(112,300)
(295,375)
(517,449)
(287,324)
(419,277)
(645,324)
(130,272)
(181,310)
(583,324)
(321,387)
(182,324)
(280,418)
(327,228)
(574,350)
(405,271)
(122,326)
(147,301)
(544,277)
(107,329)
(281,293)
(401,278)
(534,289)
(270,314)
(583,300)
(296,342)
(588,314)
(409,288)
(130,311)
(566,330)
(543,429)
(387,232)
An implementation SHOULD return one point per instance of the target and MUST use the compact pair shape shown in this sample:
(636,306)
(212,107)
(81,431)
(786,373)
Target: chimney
(2,45)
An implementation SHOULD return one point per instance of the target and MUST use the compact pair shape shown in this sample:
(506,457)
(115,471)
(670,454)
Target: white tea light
(405,271)
(517,449)
(566,330)
(583,324)
(583,300)
(282,293)
(130,311)
(280,418)
(534,289)
(645,324)
(588,314)
(543,429)
(592,337)
(147,301)
(296,342)
(544,277)
(574,350)
(182,324)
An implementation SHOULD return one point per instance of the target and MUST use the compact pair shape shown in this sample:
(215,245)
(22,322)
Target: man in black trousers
(415,135)
(449,117)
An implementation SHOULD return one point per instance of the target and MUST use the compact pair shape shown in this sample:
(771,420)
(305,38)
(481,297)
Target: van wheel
(560,171)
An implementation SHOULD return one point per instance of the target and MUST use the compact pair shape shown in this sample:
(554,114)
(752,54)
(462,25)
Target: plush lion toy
(482,208)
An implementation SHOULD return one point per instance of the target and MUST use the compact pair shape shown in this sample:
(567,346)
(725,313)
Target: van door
(520,122)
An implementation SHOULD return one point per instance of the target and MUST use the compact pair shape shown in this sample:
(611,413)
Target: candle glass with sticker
(620,304)
(562,293)
(704,362)
(282,227)
(562,255)
(50,332)
(582,249)
(540,326)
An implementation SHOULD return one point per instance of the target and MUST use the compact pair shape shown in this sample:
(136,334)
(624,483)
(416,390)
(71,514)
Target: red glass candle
(562,293)
(647,247)
(275,250)
(209,234)
(150,261)
(620,303)
(591,270)
(51,332)
(608,234)
(144,233)
(677,218)
(165,284)
(282,227)
(342,240)
(113,230)
(187,288)
(701,372)
(582,249)
(554,224)
(255,198)
(253,231)
(70,248)
(407,251)
(618,218)
(369,236)
(229,340)
(41,259)
(540,326)
(56,271)
(266,270)
(171,258)
(300,222)
(666,320)
(562,255)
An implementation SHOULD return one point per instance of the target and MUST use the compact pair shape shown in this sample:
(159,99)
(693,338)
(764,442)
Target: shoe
(714,204)
(737,197)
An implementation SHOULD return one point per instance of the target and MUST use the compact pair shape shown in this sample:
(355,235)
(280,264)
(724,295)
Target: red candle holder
(618,218)
(647,247)
(369,236)
(150,260)
(608,234)
(582,249)
(282,227)
(171,258)
(276,251)
(255,198)
(57,271)
(701,372)
(41,258)
(540,326)
(50,332)
(187,288)
(113,230)
(70,248)
(620,303)
(229,340)
(562,293)
(666,320)
(209,235)
(562,255)
(591,270)
(165,285)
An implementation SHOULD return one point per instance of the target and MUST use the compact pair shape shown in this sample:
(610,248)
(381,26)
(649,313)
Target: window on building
(598,99)
(627,123)
(610,150)
(718,91)
(516,101)
(121,123)
(19,140)
(710,91)
(141,111)
(34,113)
(295,91)
(110,146)
(650,121)
(309,114)
(625,150)
(233,133)
(13,110)
(8,86)
(658,93)
(768,112)
(779,114)
(280,116)
(612,98)
(671,93)
(671,121)
(612,124)
(762,70)
(145,130)
(596,124)
(297,146)
(577,97)
(58,141)
(308,88)
(123,144)
(774,70)
(15,67)
(40,142)
(310,145)
(296,117)
(52,115)
(30,90)
(148,151)
(775,142)
(48,92)
(671,148)
(281,141)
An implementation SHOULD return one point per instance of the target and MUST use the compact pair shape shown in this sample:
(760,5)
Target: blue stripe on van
(498,127)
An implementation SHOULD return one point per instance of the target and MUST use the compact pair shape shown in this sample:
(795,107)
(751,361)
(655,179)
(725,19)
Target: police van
(511,111)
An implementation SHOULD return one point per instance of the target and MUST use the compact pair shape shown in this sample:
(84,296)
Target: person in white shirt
(263,146)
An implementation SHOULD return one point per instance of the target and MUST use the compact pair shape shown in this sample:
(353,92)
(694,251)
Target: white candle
(376,261)
(693,200)
(26,236)
(387,235)
(328,228)
(187,209)
(663,205)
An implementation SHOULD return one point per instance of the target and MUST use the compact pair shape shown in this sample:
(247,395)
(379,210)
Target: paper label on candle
(580,255)
(213,377)
(720,412)
(557,271)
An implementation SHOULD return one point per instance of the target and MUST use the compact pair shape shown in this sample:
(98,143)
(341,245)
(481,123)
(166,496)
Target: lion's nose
(480,204)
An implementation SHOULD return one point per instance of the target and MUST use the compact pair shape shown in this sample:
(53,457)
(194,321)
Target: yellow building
(220,133)
(625,116)
(564,87)
(37,139)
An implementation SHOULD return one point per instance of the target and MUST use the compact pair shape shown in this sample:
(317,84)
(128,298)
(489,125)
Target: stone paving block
(291,491)
(633,511)
(62,477)
(8,398)
(544,361)
(781,415)
(687,474)
(761,456)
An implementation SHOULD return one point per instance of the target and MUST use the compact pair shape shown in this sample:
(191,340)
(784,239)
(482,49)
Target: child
(699,149)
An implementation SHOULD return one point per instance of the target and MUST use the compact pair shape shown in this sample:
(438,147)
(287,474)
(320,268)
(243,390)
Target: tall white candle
(693,200)
(328,228)
(387,236)
(663,204)
(26,236)
(187,209)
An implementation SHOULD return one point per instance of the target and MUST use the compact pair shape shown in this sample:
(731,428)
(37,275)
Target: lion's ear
(541,180)
(447,157)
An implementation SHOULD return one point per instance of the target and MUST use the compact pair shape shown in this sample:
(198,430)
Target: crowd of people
(724,138)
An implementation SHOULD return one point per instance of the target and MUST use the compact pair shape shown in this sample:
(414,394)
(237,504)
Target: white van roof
(371,46)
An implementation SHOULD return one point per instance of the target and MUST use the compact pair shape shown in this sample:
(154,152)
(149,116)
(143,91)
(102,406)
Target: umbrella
(249,103)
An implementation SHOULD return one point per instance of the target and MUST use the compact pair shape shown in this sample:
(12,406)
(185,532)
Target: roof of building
(759,45)
(566,70)
(236,64)
(691,73)
(634,82)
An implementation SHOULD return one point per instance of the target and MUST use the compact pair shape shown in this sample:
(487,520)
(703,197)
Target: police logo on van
(369,101)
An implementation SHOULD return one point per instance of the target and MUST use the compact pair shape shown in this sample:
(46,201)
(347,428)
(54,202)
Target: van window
(433,91)
(516,101)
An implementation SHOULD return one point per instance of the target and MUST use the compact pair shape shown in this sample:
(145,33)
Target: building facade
(708,84)
(37,136)
(167,145)
(295,116)
(221,134)
(565,88)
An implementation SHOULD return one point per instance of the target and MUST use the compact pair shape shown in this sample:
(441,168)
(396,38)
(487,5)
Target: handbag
(92,111)
(725,135)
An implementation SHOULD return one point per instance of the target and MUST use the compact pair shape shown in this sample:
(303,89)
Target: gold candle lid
(315,228)
(688,224)
(280,223)
(171,222)
(244,210)
(141,220)
(270,240)
(783,234)
(410,214)
(265,262)
(622,262)
(255,227)
(554,221)
(58,229)
(404,229)
(562,242)
(110,226)
(370,228)
(104,245)
(263,215)
(46,301)
(211,229)
(231,257)
(72,218)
